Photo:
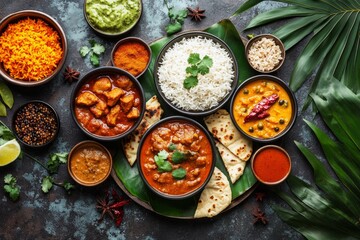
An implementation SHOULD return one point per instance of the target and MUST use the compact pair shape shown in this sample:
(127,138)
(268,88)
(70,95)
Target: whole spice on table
(30,50)
(36,124)
(259,111)
(132,57)
(196,14)
(71,74)
(259,216)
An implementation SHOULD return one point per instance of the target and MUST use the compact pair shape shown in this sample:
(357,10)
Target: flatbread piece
(215,197)
(153,113)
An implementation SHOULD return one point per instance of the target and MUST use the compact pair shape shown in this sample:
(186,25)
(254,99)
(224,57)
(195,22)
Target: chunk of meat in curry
(123,82)
(101,85)
(113,96)
(86,99)
(99,109)
(112,116)
(127,102)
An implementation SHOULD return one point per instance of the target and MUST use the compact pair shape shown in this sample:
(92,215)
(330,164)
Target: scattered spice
(259,196)
(259,110)
(113,206)
(132,57)
(36,123)
(71,74)
(30,50)
(196,13)
(259,216)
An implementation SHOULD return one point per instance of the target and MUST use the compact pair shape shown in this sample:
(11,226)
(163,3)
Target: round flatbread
(215,197)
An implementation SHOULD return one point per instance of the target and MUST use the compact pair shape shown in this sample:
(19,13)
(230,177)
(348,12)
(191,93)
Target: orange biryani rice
(30,50)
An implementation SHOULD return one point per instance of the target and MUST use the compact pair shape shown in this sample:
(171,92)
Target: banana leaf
(333,48)
(336,202)
(129,176)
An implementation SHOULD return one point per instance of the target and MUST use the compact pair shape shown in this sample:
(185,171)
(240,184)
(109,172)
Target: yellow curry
(262,109)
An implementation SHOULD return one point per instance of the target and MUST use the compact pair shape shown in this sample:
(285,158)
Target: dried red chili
(259,111)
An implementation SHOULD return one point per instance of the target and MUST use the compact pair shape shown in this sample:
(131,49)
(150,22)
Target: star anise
(259,216)
(197,14)
(113,206)
(71,74)
(259,196)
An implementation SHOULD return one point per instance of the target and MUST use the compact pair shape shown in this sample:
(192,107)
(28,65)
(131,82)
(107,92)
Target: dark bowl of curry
(176,158)
(36,124)
(263,108)
(107,103)
(89,163)
(131,54)
(33,48)
(271,164)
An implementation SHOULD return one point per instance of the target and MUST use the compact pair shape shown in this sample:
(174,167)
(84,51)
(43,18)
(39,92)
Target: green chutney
(113,16)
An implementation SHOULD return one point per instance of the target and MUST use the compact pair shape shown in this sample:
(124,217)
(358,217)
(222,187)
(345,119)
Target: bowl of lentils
(36,124)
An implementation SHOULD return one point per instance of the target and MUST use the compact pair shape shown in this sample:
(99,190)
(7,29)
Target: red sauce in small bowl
(271,164)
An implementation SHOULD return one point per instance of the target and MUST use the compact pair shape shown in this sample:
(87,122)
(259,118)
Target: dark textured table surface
(57,215)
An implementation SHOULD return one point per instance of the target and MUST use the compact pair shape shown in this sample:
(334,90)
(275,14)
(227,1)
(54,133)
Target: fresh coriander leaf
(172,147)
(68,187)
(173,28)
(94,59)
(171,13)
(47,184)
(181,14)
(166,167)
(194,58)
(192,70)
(61,157)
(163,154)
(179,173)
(178,157)
(84,50)
(207,61)
(190,82)
(55,160)
(203,69)
(98,48)
(11,188)
(6,95)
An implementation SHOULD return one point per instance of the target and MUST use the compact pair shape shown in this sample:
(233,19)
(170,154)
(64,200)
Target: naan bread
(234,165)
(153,112)
(215,197)
(222,128)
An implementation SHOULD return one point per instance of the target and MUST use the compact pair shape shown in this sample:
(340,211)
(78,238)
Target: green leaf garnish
(55,160)
(190,82)
(47,184)
(173,28)
(98,48)
(161,163)
(94,59)
(192,70)
(68,187)
(178,157)
(84,50)
(206,62)
(179,173)
(172,147)
(176,18)
(11,188)
(194,58)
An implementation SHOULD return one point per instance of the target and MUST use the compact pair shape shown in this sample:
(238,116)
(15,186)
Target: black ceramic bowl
(17,16)
(131,40)
(36,124)
(111,72)
(142,150)
(273,125)
(203,35)
(108,33)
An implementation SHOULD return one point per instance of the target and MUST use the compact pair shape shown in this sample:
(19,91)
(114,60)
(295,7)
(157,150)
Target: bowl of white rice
(196,73)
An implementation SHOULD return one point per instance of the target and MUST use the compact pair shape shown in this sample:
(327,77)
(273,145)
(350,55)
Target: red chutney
(183,137)
(108,105)
(271,165)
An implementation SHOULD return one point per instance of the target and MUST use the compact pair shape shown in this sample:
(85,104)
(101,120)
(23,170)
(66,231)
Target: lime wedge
(9,152)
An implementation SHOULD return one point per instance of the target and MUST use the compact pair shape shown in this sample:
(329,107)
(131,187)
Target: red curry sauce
(271,165)
(186,138)
(108,105)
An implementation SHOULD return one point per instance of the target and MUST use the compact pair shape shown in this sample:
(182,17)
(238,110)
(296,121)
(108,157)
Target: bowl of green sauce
(112,17)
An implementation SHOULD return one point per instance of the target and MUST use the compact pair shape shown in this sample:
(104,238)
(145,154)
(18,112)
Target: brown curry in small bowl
(108,103)
(176,157)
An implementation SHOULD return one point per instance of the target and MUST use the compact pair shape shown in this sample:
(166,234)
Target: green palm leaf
(333,212)
(333,47)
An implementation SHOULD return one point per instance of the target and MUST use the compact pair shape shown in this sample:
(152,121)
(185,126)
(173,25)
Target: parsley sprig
(94,51)
(197,66)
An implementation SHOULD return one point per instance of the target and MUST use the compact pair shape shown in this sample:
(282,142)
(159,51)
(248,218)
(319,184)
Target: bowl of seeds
(36,124)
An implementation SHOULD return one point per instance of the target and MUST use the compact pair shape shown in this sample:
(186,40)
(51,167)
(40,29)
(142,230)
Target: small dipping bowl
(271,164)
(265,53)
(113,14)
(131,54)
(33,14)
(89,163)
(36,124)
(272,123)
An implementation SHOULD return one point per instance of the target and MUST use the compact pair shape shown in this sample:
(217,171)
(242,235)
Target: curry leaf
(179,173)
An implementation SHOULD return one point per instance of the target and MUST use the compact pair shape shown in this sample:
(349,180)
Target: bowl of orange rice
(33,48)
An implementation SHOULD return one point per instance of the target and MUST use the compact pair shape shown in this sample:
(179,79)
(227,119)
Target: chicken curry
(108,105)
(176,157)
